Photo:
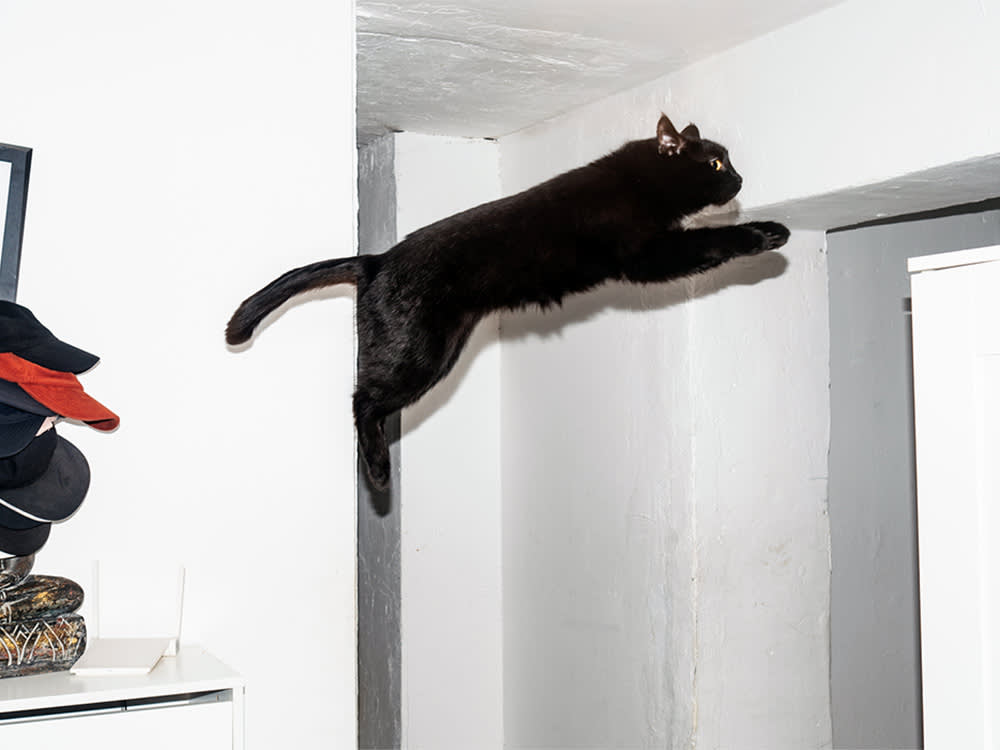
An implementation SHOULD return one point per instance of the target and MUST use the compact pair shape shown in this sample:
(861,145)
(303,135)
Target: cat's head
(703,165)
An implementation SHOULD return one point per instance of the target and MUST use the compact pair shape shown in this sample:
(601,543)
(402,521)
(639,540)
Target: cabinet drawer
(151,727)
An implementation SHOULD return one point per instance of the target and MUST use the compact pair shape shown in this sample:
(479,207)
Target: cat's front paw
(773,235)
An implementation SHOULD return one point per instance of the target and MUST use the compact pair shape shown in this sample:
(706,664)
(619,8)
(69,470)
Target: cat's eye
(717,165)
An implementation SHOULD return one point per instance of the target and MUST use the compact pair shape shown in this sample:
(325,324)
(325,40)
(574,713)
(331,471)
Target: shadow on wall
(745,271)
(579,308)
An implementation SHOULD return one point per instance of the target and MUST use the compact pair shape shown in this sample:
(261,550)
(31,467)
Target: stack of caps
(43,477)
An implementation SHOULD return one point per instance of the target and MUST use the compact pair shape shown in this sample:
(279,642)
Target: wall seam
(689,290)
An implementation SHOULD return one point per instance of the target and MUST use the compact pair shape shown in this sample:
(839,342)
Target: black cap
(29,496)
(17,429)
(24,541)
(23,335)
(29,463)
(14,395)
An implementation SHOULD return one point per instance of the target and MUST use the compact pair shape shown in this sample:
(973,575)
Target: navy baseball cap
(17,429)
(14,395)
(23,335)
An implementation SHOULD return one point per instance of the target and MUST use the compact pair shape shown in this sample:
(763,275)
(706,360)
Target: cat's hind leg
(394,371)
(369,420)
(372,404)
(375,398)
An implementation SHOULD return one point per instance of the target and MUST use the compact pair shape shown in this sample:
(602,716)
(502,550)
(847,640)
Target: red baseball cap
(59,391)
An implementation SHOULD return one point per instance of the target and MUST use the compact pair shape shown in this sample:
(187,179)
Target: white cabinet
(956,358)
(187,701)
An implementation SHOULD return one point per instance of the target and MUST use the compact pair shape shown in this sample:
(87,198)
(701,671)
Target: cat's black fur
(618,217)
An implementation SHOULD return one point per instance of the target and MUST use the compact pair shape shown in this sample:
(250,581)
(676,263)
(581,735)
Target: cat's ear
(668,140)
(690,133)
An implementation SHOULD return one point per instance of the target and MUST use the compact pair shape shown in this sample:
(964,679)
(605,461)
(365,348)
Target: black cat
(618,217)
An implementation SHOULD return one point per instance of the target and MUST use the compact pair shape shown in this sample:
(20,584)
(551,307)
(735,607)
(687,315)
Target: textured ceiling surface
(482,68)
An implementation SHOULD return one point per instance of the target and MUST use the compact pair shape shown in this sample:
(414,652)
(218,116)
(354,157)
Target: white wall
(760,435)
(450,490)
(598,550)
(184,155)
(719,402)
(665,548)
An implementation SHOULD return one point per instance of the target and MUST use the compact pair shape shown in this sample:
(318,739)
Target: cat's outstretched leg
(682,252)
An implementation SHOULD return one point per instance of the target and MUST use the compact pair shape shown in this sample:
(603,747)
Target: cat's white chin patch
(714,216)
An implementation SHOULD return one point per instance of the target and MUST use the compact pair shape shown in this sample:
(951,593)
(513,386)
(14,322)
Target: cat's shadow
(579,308)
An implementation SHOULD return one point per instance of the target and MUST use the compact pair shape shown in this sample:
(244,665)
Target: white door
(956,357)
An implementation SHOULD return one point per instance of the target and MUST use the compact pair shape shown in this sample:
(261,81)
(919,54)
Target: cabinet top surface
(193,670)
(950,260)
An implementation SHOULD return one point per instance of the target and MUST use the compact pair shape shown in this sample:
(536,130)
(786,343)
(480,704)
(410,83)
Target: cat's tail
(314,276)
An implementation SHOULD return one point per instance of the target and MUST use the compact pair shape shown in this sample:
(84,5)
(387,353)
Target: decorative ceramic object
(39,631)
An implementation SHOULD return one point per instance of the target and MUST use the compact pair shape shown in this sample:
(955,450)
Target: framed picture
(15,165)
